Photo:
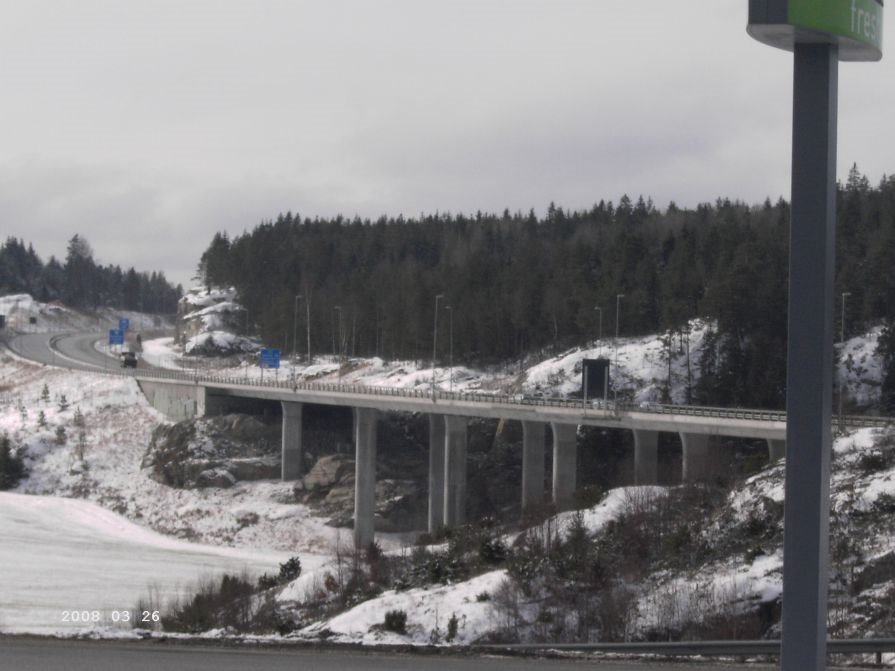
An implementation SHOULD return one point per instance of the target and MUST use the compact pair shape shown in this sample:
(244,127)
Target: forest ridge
(519,284)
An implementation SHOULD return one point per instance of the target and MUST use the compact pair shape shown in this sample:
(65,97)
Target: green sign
(855,26)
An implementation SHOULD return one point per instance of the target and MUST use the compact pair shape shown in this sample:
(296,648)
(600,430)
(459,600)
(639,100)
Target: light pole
(308,325)
(451,346)
(338,308)
(845,294)
(435,343)
(618,300)
(600,336)
(295,325)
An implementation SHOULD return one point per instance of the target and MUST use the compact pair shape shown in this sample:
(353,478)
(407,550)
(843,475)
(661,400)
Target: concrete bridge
(180,396)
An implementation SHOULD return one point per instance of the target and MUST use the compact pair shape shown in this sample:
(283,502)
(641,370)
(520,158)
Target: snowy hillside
(83,436)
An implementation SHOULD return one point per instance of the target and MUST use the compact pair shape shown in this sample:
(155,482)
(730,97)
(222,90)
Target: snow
(68,555)
(428,611)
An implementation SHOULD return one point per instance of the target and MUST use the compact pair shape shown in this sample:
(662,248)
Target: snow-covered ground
(56,544)
(63,558)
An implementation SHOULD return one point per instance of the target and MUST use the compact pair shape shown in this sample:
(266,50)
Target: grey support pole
(809,376)
(646,457)
(565,464)
(455,471)
(533,434)
(364,475)
(695,456)
(290,463)
(776,450)
(436,473)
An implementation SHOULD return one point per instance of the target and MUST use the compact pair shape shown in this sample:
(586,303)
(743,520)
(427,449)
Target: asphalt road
(37,654)
(72,350)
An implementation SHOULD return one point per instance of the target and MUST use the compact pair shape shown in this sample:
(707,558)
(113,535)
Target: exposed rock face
(214,452)
(329,487)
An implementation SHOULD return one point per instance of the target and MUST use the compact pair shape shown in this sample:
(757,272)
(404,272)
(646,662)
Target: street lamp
(600,337)
(618,299)
(845,294)
(295,325)
(435,343)
(338,308)
(308,325)
(451,340)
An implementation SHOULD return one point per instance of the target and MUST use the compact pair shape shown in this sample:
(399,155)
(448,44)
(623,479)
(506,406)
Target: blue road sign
(269,358)
(116,337)
(124,324)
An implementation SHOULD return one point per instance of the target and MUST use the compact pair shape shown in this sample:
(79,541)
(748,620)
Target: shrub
(396,621)
(452,627)
(290,570)
(12,468)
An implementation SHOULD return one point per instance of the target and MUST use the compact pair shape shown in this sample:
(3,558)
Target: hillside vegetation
(518,283)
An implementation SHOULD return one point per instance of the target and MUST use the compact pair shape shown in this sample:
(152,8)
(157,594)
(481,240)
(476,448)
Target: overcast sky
(148,125)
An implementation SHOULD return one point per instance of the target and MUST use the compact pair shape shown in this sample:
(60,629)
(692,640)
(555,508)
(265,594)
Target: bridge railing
(597,407)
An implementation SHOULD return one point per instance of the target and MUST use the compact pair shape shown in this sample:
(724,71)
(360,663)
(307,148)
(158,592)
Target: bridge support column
(436,473)
(646,460)
(455,471)
(364,475)
(290,463)
(532,465)
(776,450)
(565,464)
(695,456)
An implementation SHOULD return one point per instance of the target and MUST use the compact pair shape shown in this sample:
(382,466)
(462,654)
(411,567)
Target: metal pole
(295,325)
(338,309)
(435,343)
(845,294)
(810,353)
(618,299)
(451,346)
(600,336)
(308,324)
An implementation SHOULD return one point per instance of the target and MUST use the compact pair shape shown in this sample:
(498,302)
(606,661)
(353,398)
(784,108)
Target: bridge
(182,395)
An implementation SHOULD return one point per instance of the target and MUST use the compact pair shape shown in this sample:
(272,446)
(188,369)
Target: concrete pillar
(454,471)
(290,464)
(364,475)
(776,450)
(565,464)
(646,462)
(695,455)
(532,465)
(436,473)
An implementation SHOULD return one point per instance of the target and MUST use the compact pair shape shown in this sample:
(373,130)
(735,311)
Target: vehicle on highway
(128,360)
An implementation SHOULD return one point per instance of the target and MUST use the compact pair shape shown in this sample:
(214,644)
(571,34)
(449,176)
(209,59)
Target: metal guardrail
(605,409)
(859,646)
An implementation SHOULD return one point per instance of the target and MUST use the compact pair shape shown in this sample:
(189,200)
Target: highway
(37,654)
(77,351)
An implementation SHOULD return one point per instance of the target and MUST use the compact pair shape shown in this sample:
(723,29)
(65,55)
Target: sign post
(820,33)
(268,358)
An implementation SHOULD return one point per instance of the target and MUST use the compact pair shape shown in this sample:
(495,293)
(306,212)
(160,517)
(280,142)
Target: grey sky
(148,125)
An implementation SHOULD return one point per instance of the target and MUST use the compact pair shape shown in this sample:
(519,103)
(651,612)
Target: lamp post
(295,325)
(435,342)
(308,325)
(338,308)
(600,332)
(618,299)
(451,346)
(845,294)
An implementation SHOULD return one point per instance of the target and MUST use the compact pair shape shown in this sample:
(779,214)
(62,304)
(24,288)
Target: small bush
(452,627)
(482,596)
(396,621)
(12,468)
(290,570)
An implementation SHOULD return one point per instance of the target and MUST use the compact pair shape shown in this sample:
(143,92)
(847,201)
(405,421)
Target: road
(36,654)
(72,350)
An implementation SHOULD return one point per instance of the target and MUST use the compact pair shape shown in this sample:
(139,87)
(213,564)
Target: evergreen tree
(12,468)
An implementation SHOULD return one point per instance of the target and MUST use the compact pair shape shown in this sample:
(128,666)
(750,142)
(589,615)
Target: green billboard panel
(855,26)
